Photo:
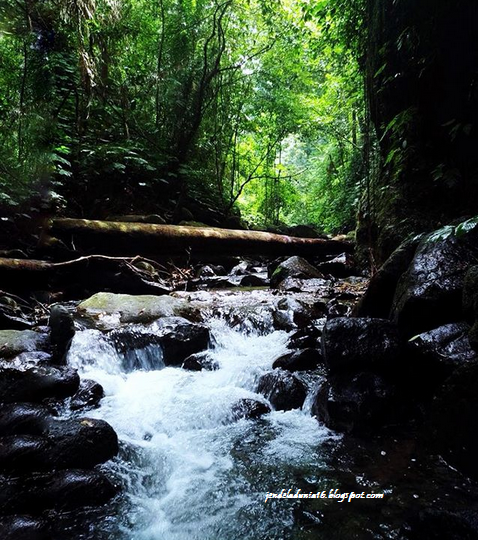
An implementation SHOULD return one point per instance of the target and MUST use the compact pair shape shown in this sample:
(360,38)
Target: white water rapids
(188,471)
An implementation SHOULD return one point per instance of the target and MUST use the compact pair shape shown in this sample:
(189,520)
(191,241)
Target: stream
(189,470)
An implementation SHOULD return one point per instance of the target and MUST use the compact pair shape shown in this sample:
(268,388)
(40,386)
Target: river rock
(249,409)
(283,389)
(88,396)
(77,443)
(62,332)
(316,286)
(24,528)
(470,304)
(105,310)
(293,267)
(14,342)
(454,420)
(355,345)
(341,266)
(23,418)
(378,298)
(200,361)
(365,402)
(304,360)
(59,490)
(32,384)
(305,338)
(184,340)
(254,280)
(443,350)
(429,294)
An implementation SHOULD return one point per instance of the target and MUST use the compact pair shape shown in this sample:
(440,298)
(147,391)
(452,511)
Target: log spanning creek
(217,414)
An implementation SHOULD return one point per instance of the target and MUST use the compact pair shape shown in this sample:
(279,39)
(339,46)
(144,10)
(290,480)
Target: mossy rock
(106,310)
(14,342)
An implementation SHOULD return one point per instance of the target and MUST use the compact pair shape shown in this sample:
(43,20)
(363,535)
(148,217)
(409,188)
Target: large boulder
(470,304)
(76,443)
(294,267)
(33,384)
(364,403)
(106,310)
(14,342)
(429,294)
(378,298)
(23,419)
(59,490)
(454,420)
(355,345)
(283,389)
(441,351)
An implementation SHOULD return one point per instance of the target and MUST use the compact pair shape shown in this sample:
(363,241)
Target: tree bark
(160,241)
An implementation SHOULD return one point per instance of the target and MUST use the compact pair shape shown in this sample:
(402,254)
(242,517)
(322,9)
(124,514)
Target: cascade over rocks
(200,361)
(88,396)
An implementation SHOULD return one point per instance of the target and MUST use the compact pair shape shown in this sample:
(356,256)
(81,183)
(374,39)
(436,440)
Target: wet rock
(75,443)
(33,384)
(24,528)
(283,389)
(242,269)
(125,308)
(307,337)
(354,345)
(443,350)
(23,418)
(429,294)
(365,402)
(437,523)
(81,442)
(89,395)
(249,409)
(200,361)
(140,348)
(378,298)
(205,272)
(183,341)
(34,357)
(14,342)
(341,266)
(470,304)
(254,281)
(304,360)
(294,267)
(61,334)
(454,420)
(59,490)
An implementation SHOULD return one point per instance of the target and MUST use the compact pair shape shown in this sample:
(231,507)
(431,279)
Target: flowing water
(189,470)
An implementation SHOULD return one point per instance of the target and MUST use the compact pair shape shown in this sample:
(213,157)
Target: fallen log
(79,277)
(130,239)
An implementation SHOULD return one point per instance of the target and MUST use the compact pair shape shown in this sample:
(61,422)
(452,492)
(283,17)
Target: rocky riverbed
(172,416)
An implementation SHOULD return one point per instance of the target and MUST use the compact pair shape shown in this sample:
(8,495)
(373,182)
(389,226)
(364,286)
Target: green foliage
(246,103)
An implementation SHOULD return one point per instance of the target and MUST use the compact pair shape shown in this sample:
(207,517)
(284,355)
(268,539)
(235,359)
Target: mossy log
(156,241)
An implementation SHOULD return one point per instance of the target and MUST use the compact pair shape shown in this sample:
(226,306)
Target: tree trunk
(160,241)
